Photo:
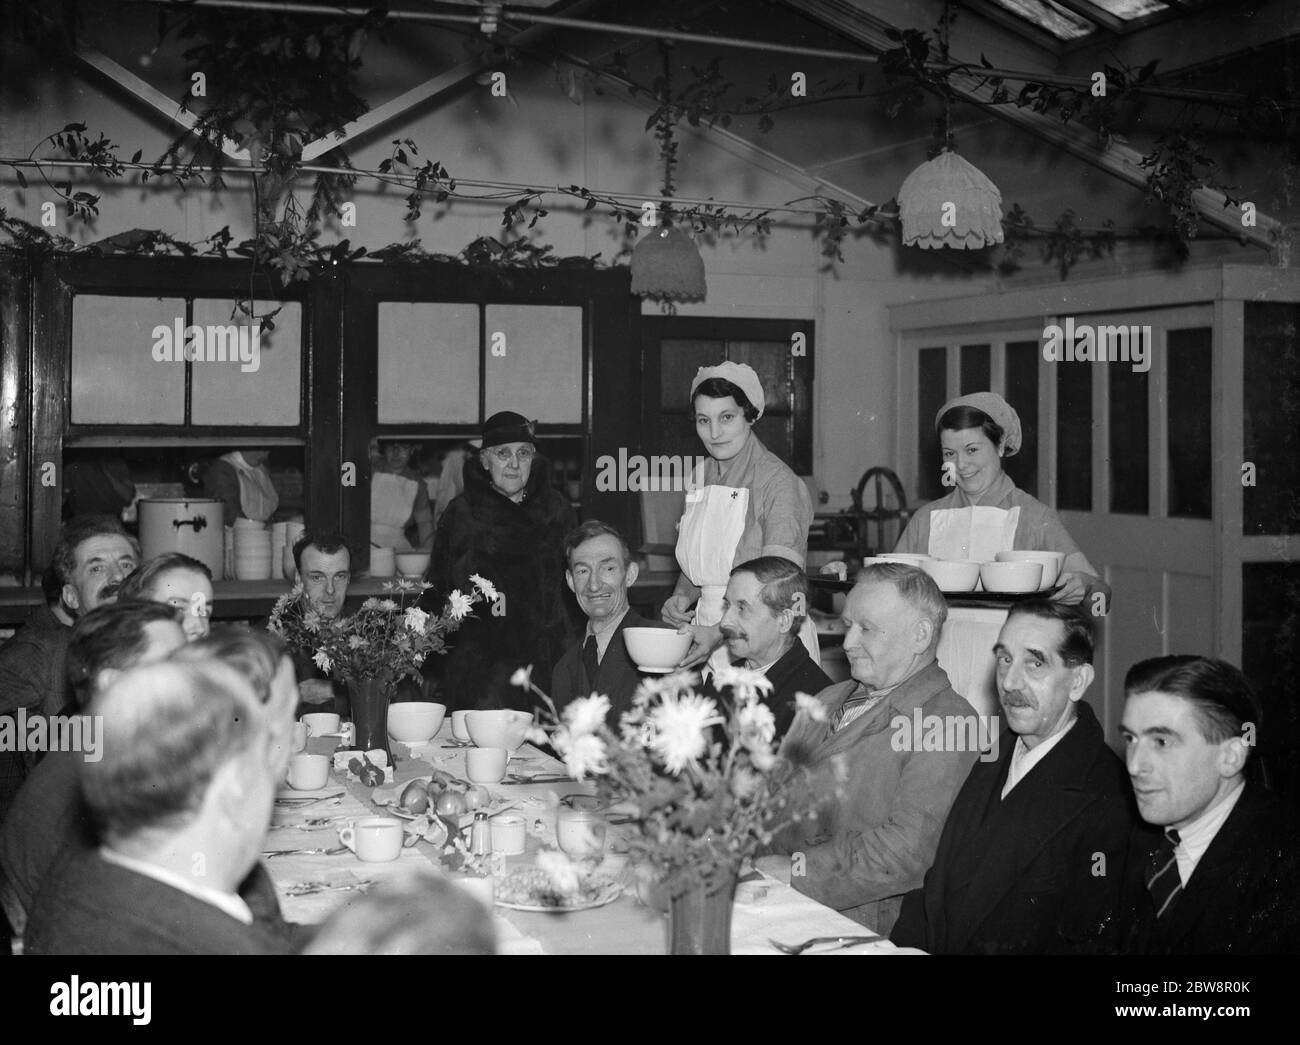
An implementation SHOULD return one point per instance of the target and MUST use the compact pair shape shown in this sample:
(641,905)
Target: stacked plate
(252,551)
(279,531)
(293,529)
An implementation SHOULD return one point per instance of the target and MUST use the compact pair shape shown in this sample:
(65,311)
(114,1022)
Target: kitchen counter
(234,600)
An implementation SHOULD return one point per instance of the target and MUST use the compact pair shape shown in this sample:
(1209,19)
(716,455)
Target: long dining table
(312,885)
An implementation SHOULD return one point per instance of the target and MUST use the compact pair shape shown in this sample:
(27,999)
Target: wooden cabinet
(356,352)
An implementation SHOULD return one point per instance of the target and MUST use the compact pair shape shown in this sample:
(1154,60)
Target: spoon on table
(840,941)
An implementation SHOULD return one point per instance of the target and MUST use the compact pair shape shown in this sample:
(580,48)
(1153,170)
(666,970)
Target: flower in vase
(583,754)
(810,706)
(322,660)
(679,725)
(746,684)
(745,783)
(757,726)
(565,875)
(356,642)
(523,677)
(459,605)
(311,621)
(388,606)
(484,585)
(416,619)
(370,604)
(586,714)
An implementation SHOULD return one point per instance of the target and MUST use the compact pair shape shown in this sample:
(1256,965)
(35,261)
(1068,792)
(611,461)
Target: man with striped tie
(1217,870)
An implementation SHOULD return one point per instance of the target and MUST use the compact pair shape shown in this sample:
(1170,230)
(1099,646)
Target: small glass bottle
(480,838)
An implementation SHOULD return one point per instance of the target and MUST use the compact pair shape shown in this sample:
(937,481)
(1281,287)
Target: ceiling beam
(151,96)
(1203,36)
(431,88)
(1117,159)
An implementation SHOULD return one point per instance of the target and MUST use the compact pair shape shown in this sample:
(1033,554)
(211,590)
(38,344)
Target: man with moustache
(1030,856)
(764,608)
(1215,868)
(94,553)
(877,810)
(599,572)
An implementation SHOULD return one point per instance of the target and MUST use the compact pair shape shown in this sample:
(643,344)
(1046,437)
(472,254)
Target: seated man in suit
(182,799)
(48,812)
(877,810)
(324,563)
(1216,870)
(1030,857)
(600,572)
(94,553)
(764,608)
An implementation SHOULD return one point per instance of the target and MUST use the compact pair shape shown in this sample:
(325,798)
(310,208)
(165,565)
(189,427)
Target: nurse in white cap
(744,502)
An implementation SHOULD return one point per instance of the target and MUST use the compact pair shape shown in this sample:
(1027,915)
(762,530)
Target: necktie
(850,705)
(590,661)
(1163,881)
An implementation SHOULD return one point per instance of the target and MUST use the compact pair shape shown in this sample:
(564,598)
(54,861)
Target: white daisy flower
(586,714)
(484,585)
(459,605)
(680,725)
(810,706)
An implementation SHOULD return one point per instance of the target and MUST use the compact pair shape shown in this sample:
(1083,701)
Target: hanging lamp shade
(947,202)
(667,264)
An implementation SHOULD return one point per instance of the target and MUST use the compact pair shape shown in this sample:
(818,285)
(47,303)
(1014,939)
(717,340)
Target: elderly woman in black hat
(986,512)
(508,527)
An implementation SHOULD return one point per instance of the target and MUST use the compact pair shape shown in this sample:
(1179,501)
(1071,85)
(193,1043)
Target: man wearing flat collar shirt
(764,608)
(1029,858)
(1217,870)
(877,807)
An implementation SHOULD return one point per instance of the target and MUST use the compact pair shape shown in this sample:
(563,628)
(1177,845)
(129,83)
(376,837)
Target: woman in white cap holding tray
(745,502)
(986,512)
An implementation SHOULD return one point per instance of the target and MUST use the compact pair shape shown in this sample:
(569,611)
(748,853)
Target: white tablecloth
(765,909)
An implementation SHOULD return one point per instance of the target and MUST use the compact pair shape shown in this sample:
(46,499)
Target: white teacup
(486,765)
(580,832)
(308,772)
(458,728)
(375,839)
(298,738)
(508,834)
(319,723)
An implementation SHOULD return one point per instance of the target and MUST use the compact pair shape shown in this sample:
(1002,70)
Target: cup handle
(347,837)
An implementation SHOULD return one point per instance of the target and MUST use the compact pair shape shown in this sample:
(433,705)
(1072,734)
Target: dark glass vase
(699,914)
(370,699)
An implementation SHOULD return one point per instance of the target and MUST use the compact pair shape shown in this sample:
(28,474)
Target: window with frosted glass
(264,386)
(429,359)
(533,362)
(116,377)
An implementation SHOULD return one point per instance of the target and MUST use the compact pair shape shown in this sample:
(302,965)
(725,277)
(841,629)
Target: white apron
(257,497)
(707,536)
(392,500)
(974,534)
